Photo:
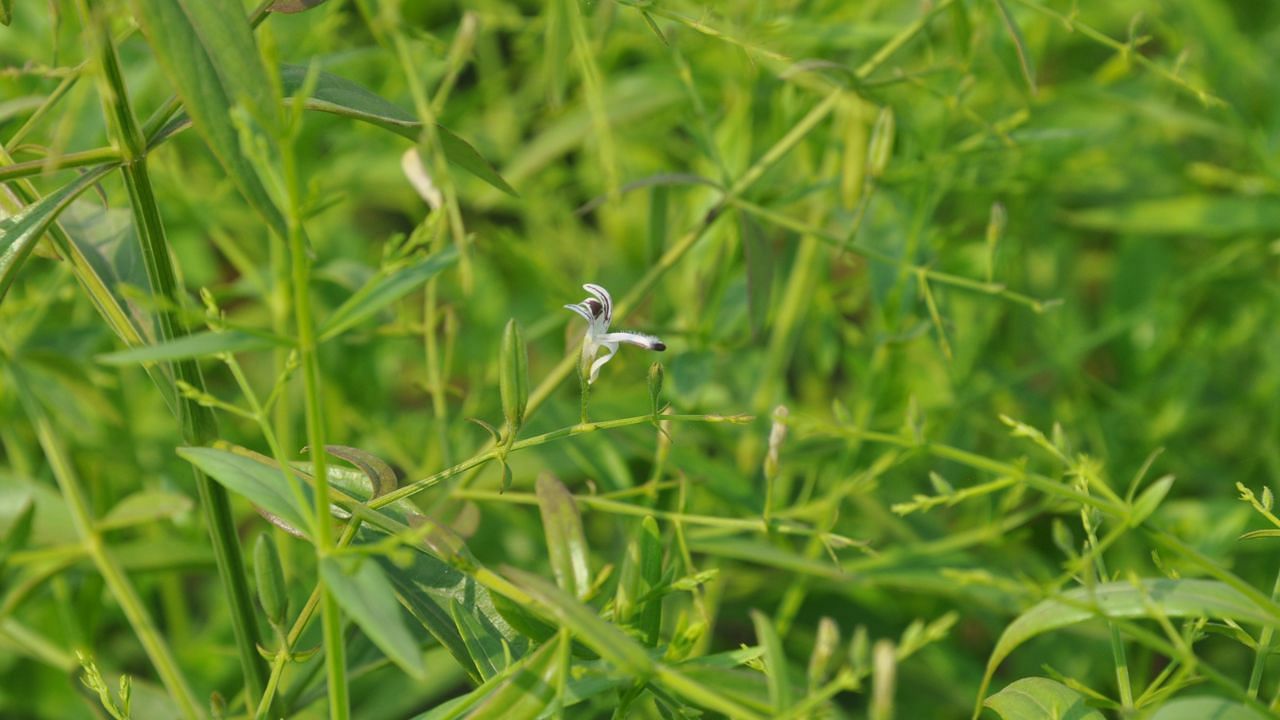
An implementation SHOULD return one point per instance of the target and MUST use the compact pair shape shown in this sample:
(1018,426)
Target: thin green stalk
(198,424)
(300,279)
(1263,649)
(83,158)
(131,604)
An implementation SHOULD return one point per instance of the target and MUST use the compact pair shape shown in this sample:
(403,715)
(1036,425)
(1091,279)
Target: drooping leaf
(19,233)
(385,289)
(566,544)
(382,477)
(206,49)
(364,593)
(196,345)
(1035,698)
(1172,598)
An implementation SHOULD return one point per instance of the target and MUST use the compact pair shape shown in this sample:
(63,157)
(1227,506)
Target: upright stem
(300,276)
(197,423)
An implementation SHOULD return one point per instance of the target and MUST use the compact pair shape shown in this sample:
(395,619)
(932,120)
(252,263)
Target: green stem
(113,574)
(197,423)
(1264,648)
(83,158)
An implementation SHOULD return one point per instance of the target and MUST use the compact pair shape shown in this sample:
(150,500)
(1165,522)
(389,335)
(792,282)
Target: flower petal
(648,342)
(605,299)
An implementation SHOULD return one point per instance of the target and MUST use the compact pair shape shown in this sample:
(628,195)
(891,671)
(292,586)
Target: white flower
(598,312)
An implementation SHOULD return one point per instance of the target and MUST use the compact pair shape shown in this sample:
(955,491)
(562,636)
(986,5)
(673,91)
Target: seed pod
(881,145)
(270,576)
(513,379)
(656,375)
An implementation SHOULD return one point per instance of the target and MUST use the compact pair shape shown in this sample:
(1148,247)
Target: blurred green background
(1130,146)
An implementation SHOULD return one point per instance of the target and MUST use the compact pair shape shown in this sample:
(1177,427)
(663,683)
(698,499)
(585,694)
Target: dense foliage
(970,391)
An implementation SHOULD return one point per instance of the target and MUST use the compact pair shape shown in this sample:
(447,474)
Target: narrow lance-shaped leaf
(19,233)
(364,593)
(385,289)
(775,662)
(206,49)
(526,694)
(611,643)
(198,345)
(566,545)
(261,484)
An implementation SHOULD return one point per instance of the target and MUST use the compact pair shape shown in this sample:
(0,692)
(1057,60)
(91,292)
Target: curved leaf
(566,544)
(260,483)
(1037,698)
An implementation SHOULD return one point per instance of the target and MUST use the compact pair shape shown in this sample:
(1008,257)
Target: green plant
(244,289)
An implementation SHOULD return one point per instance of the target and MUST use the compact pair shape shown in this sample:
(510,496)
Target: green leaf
(18,534)
(343,97)
(197,345)
(1171,598)
(635,603)
(1015,33)
(1206,707)
(385,289)
(530,689)
(206,49)
(1037,698)
(428,586)
(610,642)
(261,484)
(566,544)
(474,637)
(6,12)
(760,264)
(143,507)
(775,662)
(19,233)
(1150,499)
(1202,216)
(364,593)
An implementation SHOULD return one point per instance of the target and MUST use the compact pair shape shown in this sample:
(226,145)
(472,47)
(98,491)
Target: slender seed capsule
(513,379)
(270,576)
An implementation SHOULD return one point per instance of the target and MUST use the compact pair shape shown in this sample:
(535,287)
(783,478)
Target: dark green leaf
(1036,698)
(385,289)
(19,233)
(197,345)
(364,593)
(381,475)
